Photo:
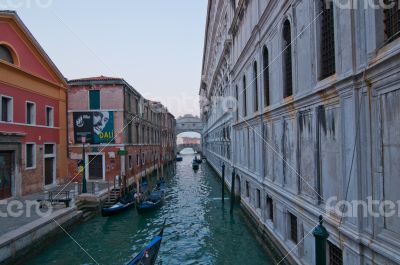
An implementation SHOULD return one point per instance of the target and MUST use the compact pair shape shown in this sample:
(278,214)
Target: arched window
(392,20)
(244,97)
(5,54)
(255,82)
(327,40)
(266,76)
(287,56)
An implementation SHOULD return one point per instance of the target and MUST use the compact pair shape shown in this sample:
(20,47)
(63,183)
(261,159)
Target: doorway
(96,167)
(5,174)
(49,164)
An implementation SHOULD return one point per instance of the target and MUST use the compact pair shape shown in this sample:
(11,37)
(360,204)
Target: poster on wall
(97,127)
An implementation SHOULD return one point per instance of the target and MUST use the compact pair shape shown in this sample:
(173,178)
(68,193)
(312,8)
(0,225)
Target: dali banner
(97,127)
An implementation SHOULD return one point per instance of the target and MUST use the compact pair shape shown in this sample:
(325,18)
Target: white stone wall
(339,136)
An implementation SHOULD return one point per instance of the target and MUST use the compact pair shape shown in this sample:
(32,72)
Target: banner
(97,127)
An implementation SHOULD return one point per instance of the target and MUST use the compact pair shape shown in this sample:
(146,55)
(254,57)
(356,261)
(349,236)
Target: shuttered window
(94,99)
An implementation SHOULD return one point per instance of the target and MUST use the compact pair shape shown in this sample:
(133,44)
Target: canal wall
(17,243)
(260,229)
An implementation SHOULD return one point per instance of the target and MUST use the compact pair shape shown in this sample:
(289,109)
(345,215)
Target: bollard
(223,183)
(321,236)
(232,190)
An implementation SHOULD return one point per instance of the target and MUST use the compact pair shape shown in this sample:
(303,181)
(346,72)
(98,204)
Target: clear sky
(155,45)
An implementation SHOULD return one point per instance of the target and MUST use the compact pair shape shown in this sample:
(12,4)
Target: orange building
(33,95)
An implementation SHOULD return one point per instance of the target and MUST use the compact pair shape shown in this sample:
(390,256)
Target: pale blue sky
(156,45)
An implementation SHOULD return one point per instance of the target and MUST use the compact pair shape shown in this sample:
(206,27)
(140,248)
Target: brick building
(33,113)
(124,132)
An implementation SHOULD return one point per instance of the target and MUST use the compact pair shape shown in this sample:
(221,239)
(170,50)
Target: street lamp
(84,189)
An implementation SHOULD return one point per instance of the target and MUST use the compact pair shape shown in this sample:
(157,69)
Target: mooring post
(223,183)
(232,190)
(321,236)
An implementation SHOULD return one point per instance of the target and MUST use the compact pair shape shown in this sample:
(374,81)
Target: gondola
(124,203)
(153,202)
(179,158)
(148,255)
(199,161)
(195,165)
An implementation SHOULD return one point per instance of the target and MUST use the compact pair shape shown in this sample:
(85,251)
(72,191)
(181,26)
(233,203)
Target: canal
(199,229)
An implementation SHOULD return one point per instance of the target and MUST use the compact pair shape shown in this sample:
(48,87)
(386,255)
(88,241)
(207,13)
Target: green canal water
(199,230)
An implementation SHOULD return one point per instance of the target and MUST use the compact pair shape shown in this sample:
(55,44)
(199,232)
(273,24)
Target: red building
(125,132)
(33,113)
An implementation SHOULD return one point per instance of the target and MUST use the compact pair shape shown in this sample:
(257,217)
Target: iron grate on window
(266,76)
(392,20)
(288,59)
(335,255)
(293,227)
(327,40)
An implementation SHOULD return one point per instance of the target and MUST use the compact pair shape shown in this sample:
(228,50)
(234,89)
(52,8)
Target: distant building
(33,94)
(127,136)
(318,116)
(188,140)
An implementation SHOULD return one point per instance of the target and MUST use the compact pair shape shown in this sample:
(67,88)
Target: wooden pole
(223,184)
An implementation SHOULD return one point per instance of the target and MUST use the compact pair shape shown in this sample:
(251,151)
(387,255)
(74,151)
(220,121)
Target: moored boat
(124,203)
(195,165)
(148,255)
(153,202)
(179,158)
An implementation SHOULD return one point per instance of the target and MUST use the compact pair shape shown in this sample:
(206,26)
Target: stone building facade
(317,120)
(33,93)
(126,134)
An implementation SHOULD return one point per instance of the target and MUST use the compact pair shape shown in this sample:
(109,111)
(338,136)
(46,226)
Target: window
(293,228)
(137,160)
(49,116)
(129,132)
(270,208)
(5,54)
(247,189)
(237,102)
(335,255)
(130,161)
(255,80)
(6,109)
(30,156)
(49,149)
(258,199)
(287,57)
(30,113)
(244,97)
(266,76)
(94,99)
(392,20)
(327,40)
(143,159)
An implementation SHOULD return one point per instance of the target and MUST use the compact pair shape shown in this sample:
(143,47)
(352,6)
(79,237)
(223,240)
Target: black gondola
(195,165)
(153,202)
(178,158)
(124,203)
(148,255)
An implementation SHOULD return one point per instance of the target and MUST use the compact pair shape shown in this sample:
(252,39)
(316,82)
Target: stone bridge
(195,147)
(189,123)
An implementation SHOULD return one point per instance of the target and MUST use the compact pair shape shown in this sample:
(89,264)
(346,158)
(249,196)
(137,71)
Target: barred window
(255,80)
(335,255)
(293,228)
(392,20)
(327,40)
(244,97)
(237,102)
(287,56)
(266,76)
